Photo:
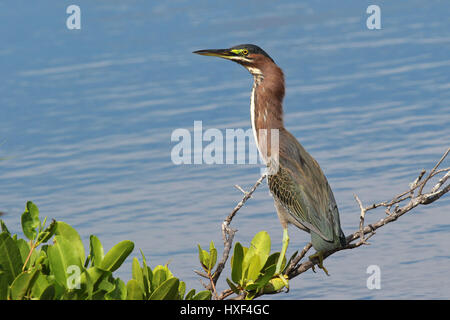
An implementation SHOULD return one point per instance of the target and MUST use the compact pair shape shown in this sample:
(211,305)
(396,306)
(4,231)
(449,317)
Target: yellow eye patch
(242,52)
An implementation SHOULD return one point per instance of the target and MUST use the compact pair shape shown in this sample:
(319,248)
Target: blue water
(86,118)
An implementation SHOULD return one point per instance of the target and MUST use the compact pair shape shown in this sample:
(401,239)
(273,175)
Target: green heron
(300,189)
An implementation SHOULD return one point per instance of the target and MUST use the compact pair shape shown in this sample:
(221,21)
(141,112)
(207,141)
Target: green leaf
(86,285)
(263,279)
(41,261)
(253,268)
(96,250)
(48,293)
(204,258)
(10,258)
(119,292)
(117,255)
(232,286)
(182,289)
(71,295)
(61,256)
(30,220)
(213,255)
(134,291)
(271,260)
(40,285)
(168,290)
(96,274)
(137,274)
(4,286)
(236,266)
(59,289)
(106,284)
(3,227)
(273,285)
(46,234)
(24,248)
(71,235)
(260,247)
(147,275)
(190,295)
(250,295)
(269,272)
(251,286)
(160,274)
(22,283)
(203,295)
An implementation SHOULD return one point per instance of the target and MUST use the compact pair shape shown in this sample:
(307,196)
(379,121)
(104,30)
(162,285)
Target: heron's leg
(281,257)
(283,251)
(319,255)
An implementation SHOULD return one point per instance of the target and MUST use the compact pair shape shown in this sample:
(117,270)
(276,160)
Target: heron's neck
(266,105)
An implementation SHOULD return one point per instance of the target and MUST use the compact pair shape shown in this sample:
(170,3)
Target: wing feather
(302,188)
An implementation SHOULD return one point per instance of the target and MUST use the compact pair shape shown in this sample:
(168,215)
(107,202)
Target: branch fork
(295,267)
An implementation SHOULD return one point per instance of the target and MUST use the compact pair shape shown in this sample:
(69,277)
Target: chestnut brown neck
(268,94)
(266,103)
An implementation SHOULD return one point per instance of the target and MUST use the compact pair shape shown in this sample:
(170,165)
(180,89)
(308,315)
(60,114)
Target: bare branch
(225,294)
(398,204)
(297,259)
(422,198)
(242,202)
(441,181)
(361,219)
(433,170)
(213,285)
(228,233)
(240,189)
(201,274)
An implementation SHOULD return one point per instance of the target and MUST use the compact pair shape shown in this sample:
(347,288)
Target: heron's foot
(279,273)
(284,279)
(318,255)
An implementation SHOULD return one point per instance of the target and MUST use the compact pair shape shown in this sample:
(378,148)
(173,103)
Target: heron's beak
(221,53)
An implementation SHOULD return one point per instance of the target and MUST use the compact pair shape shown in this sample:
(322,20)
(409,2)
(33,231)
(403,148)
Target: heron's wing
(302,188)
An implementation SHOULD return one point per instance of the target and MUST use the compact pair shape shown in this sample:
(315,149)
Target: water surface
(86,118)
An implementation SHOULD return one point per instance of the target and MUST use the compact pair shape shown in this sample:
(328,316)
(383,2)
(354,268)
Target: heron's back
(303,190)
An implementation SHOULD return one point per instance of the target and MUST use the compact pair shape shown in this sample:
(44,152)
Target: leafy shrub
(253,268)
(38,269)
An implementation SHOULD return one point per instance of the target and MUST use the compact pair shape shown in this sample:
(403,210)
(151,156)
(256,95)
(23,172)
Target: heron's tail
(342,239)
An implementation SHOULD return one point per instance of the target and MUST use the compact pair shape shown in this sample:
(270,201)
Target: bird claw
(285,280)
(318,255)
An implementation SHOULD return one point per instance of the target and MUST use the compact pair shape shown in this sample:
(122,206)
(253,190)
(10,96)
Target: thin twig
(228,233)
(433,170)
(211,281)
(361,219)
(421,198)
(297,259)
(296,268)
(201,274)
(441,182)
(244,199)
(240,189)
(225,293)
(32,247)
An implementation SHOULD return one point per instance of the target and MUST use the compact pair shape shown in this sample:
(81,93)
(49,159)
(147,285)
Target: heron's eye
(244,52)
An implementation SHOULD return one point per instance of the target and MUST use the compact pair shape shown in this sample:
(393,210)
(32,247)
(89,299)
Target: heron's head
(252,57)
